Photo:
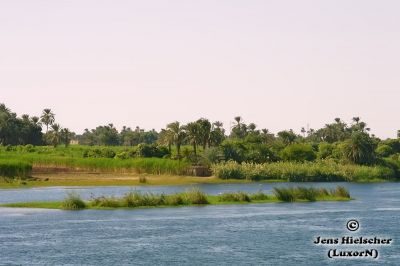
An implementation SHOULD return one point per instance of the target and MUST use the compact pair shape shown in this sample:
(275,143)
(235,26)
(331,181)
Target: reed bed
(318,171)
(15,168)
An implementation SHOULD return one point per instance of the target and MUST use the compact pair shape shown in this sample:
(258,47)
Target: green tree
(217,134)
(360,149)
(55,134)
(204,131)
(298,152)
(194,134)
(179,135)
(66,136)
(240,129)
(47,118)
(287,136)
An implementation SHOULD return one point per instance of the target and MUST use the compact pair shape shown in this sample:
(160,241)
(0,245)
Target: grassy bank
(194,197)
(319,171)
(14,167)
(111,179)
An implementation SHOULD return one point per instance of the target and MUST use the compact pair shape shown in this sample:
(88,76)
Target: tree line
(350,142)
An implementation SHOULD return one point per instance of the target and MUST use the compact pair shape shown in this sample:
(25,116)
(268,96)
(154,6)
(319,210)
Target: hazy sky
(280,64)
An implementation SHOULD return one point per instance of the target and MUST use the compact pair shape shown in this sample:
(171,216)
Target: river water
(254,234)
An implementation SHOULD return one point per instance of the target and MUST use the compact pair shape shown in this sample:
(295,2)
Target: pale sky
(280,64)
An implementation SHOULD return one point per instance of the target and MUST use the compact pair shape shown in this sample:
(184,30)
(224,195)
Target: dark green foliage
(99,153)
(384,150)
(151,150)
(360,149)
(298,152)
(73,202)
(19,131)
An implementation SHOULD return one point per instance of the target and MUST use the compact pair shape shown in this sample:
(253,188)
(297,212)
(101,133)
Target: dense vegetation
(338,151)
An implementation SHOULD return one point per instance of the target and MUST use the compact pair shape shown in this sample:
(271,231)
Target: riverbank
(83,179)
(112,179)
(193,197)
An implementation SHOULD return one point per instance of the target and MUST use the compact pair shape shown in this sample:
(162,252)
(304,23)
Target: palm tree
(47,117)
(356,119)
(166,137)
(66,136)
(193,132)
(179,135)
(218,124)
(35,120)
(55,134)
(205,131)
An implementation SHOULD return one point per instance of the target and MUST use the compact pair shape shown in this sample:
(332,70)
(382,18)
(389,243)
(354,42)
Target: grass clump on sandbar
(192,197)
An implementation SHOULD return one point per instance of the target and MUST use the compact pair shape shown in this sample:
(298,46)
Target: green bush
(298,152)
(325,150)
(384,150)
(73,202)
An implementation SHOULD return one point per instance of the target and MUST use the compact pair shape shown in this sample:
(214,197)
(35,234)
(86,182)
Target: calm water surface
(255,234)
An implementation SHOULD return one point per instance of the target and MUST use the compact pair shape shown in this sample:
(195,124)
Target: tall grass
(135,199)
(234,196)
(302,172)
(73,202)
(291,194)
(15,168)
(138,165)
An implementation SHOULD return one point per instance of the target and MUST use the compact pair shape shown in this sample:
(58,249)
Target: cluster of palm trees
(57,134)
(197,133)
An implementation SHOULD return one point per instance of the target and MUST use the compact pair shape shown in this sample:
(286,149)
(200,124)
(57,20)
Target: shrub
(325,150)
(73,202)
(384,150)
(298,152)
